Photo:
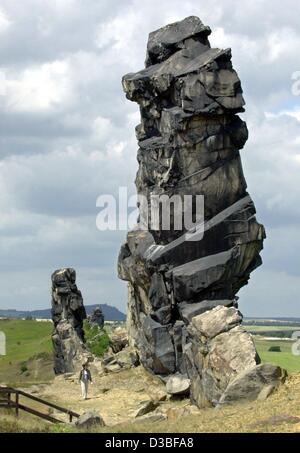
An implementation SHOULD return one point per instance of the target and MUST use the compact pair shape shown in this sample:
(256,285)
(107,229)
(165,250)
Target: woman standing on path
(84,379)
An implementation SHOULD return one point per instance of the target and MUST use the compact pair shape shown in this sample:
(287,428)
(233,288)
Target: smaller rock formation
(89,419)
(96,317)
(120,354)
(124,359)
(68,313)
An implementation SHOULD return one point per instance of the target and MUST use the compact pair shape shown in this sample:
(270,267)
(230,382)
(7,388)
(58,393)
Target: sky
(67,136)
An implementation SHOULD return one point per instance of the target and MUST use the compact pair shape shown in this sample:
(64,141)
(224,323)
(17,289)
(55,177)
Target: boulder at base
(89,419)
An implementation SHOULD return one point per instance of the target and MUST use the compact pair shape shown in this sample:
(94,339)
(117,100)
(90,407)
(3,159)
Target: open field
(28,356)
(25,338)
(255,328)
(29,351)
(285,358)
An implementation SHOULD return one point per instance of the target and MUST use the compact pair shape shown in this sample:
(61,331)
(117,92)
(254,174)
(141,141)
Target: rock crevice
(68,313)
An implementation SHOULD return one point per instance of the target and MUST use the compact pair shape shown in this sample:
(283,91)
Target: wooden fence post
(17,404)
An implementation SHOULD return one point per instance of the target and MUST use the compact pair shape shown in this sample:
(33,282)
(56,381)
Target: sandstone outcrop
(183,279)
(68,313)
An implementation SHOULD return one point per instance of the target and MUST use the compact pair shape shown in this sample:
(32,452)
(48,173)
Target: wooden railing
(7,401)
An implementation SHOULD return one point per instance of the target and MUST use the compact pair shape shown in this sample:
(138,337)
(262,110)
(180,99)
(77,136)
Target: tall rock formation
(182,306)
(68,313)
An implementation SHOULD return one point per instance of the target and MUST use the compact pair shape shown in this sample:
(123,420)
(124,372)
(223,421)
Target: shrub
(23,367)
(96,339)
(274,349)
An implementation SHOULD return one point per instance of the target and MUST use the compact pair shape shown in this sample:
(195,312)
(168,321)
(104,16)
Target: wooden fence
(10,399)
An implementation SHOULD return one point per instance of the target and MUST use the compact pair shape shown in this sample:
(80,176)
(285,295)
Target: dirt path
(116,396)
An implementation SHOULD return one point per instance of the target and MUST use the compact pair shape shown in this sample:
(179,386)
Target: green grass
(28,356)
(285,358)
(266,328)
(24,339)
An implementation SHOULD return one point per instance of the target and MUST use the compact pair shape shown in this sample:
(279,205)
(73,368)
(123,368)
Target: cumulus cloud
(38,88)
(67,136)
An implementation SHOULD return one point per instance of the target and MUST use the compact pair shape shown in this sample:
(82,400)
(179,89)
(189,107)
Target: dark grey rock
(189,310)
(158,296)
(189,139)
(249,384)
(161,352)
(96,317)
(165,41)
(68,313)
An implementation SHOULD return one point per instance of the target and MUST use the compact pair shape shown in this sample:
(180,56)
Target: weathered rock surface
(89,419)
(118,339)
(96,317)
(220,319)
(68,313)
(124,359)
(183,279)
(178,385)
(253,382)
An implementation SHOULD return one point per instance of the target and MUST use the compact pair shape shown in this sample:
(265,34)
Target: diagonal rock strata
(182,278)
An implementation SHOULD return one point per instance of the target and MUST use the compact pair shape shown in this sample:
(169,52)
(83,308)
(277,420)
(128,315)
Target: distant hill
(110,313)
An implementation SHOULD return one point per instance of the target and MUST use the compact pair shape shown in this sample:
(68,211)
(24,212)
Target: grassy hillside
(28,351)
(25,339)
(285,358)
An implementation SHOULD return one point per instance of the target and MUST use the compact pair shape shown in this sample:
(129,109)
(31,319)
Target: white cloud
(272,165)
(282,43)
(294,113)
(39,88)
(102,128)
(5,22)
